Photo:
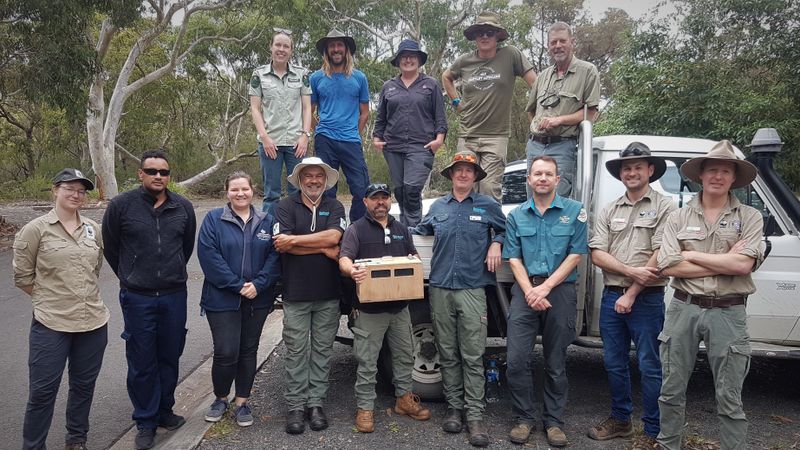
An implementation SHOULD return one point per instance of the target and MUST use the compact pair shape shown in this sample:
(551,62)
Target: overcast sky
(635,8)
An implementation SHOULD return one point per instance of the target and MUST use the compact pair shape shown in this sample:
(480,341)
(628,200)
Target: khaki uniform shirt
(281,101)
(64,271)
(579,86)
(631,232)
(686,229)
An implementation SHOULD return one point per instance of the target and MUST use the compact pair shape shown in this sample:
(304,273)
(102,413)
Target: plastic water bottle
(493,392)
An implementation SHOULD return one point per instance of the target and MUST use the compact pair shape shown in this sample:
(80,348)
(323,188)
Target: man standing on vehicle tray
(148,237)
(545,239)
(556,103)
(625,243)
(280,105)
(340,95)
(307,233)
(465,255)
(710,247)
(487,89)
(375,235)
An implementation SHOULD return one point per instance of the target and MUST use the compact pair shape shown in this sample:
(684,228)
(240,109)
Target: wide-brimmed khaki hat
(331,176)
(465,156)
(637,150)
(486,19)
(333,35)
(722,151)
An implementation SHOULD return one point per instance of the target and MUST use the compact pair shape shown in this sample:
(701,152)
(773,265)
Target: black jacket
(148,247)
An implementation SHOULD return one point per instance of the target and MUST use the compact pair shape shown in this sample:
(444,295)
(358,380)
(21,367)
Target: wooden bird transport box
(391,278)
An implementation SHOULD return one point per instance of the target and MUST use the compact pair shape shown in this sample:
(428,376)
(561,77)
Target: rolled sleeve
(600,235)
(670,252)
(752,233)
(591,91)
(578,244)
(26,245)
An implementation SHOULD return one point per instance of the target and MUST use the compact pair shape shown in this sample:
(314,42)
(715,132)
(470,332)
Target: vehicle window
(514,187)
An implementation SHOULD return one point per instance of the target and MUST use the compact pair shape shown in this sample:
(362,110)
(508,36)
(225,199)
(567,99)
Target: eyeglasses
(551,97)
(635,151)
(485,33)
(386,238)
(409,56)
(153,172)
(465,157)
(282,31)
(70,191)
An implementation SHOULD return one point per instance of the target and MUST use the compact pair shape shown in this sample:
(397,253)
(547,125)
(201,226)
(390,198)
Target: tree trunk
(102,157)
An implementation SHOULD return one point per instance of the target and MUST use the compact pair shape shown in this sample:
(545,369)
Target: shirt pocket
(727,239)
(527,237)
(643,230)
(691,240)
(560,237)
(439,221)
(571,100)
(52,246)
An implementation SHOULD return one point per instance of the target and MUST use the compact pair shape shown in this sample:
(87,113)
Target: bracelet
(456,101)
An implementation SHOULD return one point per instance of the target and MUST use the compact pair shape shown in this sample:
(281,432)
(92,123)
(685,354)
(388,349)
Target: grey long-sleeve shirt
(409,118)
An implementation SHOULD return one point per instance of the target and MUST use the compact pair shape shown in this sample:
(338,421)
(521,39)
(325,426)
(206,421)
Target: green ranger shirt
(487,90)
(281,103)
(631,232)
(553,96)
(686,229)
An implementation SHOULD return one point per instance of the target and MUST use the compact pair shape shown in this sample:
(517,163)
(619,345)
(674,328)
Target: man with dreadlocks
(340,96)
(307,233)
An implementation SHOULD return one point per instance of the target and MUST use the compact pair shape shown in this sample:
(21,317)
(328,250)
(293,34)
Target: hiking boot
(478,436)
(170,421)
(645,442)
(145,438)
(243,415)
(408,405)
(452,420)
(316,418)
(294,422)
(556,437)
(76,446)
(365,422)
(520,433)
(610,428)
(216,410)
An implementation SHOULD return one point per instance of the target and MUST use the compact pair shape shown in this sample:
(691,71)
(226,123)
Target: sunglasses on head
(377,187)
(282,31)
(152,172)
(635,151)
(467,158)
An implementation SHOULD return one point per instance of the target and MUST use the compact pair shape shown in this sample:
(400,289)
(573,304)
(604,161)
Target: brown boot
(365,423)
(610,428)
(408,405)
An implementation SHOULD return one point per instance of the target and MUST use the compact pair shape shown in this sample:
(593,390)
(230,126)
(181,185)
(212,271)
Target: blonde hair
(348,63)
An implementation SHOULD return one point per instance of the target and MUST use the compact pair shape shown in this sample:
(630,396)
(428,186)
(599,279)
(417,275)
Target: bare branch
(124,152)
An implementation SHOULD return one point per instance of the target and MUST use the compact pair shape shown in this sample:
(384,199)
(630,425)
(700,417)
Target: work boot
(170,421)
(610,428)
(452,421)
(520,433)
(317,420)
(145,438)
(556,437)
(294,422)
(365,422)
(645,442)
(408,405)
(478,436)
(76,446)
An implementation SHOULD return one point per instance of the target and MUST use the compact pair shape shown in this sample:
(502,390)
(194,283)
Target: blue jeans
(271,171)
(350,157)
(642,325)
(155,334)
(566,155)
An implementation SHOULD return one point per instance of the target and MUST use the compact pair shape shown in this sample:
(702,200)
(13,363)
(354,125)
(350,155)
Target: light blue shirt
(338,99)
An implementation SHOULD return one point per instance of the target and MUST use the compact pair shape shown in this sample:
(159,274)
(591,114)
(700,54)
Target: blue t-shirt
(338,98)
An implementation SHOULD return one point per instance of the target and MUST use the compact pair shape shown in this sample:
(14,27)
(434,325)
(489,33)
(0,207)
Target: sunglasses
(635,151)
(386,238)
(154,172)
(485,33)
(377,187)
(466,158)
(551,98)
(282,31)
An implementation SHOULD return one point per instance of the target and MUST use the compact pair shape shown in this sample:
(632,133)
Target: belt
(707,302)
(536,280)
(647,290)
(545,139)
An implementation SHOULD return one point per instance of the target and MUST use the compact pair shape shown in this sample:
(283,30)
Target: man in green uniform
(709,247)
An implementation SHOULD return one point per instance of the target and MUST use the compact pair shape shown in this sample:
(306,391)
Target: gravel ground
(771,397)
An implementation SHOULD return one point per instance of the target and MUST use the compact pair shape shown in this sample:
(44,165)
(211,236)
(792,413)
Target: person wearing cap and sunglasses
(627,236)
(545,239)
(280,105)
(340,96)
(410,127)
(487,78)
(149,237)
(469,230)
(710,247)
(376,235)
(307,234)
(556,103)
(57,260)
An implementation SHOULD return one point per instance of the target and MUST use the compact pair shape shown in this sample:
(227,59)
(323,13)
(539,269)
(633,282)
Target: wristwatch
(307,133)
(456,101)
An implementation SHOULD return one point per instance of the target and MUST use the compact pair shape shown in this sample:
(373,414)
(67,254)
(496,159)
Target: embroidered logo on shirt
(324,213)
(564,219)
(723,223)
(276,229)
(650,213)
(263,236)
(397,237)
(478,210)
(89,229)
(737,225)
(582,216)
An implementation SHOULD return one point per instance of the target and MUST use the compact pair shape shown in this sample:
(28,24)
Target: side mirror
(769,230)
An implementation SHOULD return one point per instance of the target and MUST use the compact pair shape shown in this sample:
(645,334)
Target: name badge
(692,228)
(475,218)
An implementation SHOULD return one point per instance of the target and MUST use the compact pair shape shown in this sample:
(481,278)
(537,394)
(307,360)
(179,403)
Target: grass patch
(221,429)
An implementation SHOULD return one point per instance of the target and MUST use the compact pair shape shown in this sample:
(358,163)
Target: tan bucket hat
(486,19)
(465,156)
(335,34)
(637,150)
(722,151)
(331,176)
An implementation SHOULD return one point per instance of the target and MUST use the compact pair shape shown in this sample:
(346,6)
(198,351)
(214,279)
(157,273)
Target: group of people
(709,248)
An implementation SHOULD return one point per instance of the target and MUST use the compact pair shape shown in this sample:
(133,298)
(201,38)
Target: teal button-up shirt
(543,241)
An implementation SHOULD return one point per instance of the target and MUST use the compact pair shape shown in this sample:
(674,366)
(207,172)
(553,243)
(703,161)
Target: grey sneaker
(243,416)
(216,410)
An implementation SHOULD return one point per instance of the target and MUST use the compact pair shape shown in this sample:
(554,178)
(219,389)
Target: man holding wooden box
(377,235)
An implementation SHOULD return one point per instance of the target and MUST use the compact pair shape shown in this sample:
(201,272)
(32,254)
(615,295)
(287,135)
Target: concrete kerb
(195,393)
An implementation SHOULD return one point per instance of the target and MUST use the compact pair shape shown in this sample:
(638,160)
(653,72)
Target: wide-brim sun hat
(465,156)
(409,46)
(746,172)
(486,19)
(637,150)
(331,176)
(333,35)
(69,174)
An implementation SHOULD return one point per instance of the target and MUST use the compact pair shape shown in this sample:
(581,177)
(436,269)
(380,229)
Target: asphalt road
(111,410)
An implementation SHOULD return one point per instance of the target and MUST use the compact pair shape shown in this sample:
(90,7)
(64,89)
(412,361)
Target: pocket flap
(742,349)
(663,337)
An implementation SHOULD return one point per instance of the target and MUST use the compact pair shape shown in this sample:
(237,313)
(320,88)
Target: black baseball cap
(70,174)
(375,188)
